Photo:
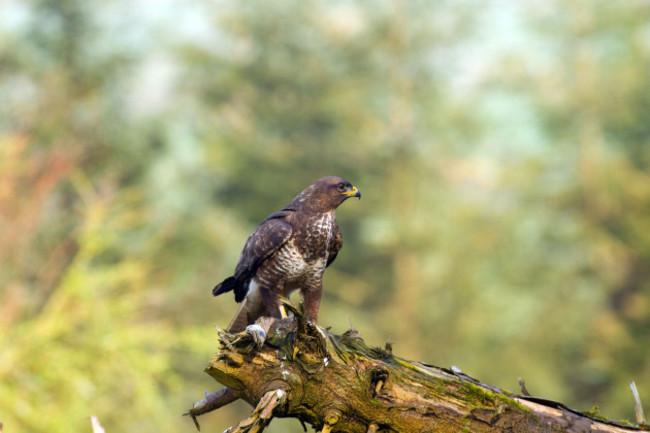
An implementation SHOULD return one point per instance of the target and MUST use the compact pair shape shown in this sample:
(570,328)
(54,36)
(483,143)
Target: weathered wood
(339,384)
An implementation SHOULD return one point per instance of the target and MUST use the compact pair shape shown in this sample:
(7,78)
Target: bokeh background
(502,149)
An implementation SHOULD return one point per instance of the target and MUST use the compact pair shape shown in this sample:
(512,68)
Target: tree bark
(339,384)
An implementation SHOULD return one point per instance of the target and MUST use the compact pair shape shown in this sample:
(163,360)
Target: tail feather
(225,286)
(247,313)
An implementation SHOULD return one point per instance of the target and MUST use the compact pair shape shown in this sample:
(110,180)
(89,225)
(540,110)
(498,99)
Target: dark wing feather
(261,244)
(336,243)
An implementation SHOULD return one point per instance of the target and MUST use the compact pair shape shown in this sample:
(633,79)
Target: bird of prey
(289,251)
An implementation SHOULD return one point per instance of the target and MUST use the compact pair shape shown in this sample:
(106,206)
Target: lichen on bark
(338,383)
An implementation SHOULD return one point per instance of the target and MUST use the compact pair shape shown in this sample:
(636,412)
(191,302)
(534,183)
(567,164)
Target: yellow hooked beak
(354,193)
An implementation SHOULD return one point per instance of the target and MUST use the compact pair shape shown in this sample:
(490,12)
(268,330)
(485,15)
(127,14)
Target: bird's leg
(311,299)
(272,305)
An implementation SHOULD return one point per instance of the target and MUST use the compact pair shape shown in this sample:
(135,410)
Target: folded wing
(270,236)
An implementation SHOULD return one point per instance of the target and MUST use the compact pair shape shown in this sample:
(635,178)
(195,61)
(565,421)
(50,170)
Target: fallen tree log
(339,384)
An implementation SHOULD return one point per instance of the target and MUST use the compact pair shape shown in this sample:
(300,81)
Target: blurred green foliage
(503,153)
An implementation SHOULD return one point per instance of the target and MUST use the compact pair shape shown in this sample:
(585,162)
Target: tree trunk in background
(402,193)
(586,79)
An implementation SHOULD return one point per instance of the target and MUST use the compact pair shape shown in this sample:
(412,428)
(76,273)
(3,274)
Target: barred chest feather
(305,255)
(315,236)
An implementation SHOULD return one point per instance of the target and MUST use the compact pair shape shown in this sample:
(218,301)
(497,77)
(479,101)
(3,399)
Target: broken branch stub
(263,413)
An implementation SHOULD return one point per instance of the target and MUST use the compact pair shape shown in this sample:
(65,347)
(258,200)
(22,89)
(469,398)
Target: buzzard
(289,251)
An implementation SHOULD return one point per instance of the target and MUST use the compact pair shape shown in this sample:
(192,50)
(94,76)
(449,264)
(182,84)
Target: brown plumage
(289,251)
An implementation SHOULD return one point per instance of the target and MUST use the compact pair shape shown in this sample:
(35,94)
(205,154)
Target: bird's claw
(253,335)
(257,333)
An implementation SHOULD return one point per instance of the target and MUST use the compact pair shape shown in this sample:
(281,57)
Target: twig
(638,408)
(97,427)
(211,402)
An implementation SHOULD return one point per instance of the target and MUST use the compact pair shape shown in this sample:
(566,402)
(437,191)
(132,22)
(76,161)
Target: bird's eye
(340,186)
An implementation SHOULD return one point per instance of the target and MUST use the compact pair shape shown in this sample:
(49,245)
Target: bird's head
(327,194)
